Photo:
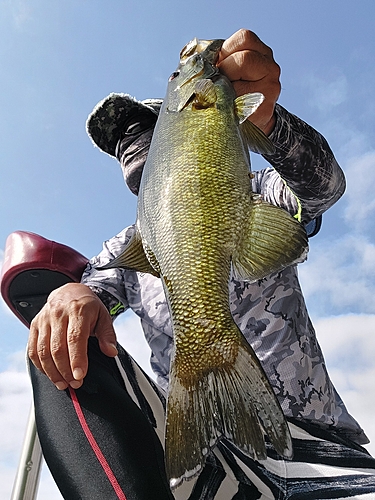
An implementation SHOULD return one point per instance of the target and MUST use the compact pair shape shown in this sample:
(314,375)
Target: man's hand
(59,334)
(250,66)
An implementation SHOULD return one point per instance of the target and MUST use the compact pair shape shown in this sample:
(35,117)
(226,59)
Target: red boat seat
(33,267)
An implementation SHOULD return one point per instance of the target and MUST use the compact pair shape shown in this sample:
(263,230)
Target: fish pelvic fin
(272,241)
(234,401)
(133,258)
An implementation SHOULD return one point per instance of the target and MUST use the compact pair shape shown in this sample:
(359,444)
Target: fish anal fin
(234,401)
(133,258)
(272,240)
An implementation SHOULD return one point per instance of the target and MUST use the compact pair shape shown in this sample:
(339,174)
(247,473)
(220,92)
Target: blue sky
(58,58)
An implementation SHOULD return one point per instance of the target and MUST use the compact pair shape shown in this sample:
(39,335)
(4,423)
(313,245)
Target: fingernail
(61,386)
(78,373)
(114,347)
(75,384)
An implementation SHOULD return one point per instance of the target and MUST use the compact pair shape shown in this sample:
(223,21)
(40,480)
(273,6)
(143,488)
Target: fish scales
(198,206)
(196,264)
(197,222)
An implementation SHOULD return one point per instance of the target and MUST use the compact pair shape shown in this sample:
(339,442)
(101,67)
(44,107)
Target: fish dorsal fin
(133,258)
(205,94)
(272,241)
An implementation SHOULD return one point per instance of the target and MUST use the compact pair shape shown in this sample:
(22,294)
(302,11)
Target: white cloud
(348,343)
(130,335)
(327,93)
(21,12)
(348,333)
(339,275)
(360,199)
(15,402)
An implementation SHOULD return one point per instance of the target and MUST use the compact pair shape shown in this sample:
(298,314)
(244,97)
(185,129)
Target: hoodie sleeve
(109,284)
(304,167)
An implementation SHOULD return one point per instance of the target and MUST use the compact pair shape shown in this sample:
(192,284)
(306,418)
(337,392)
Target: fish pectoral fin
(233,401)
(205,94)
(255,139)
(133,258)
(272,241)
(245,105)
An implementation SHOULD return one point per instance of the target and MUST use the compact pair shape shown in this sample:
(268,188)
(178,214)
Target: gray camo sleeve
(306,167)
(109,284)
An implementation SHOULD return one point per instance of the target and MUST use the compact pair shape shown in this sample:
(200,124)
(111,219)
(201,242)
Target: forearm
(306,163)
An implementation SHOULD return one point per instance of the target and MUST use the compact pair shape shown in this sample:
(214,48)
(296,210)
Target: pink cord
(95,447)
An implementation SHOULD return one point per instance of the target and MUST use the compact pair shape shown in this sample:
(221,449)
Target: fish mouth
(197,61)
(192,47)
(209,49)
(200,55)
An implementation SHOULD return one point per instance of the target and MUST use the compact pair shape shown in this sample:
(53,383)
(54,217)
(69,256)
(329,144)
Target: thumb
(105,334)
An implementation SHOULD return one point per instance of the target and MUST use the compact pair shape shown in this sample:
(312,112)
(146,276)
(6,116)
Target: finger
(78,332)
(53,350)
(249,65)
(74,312)
(105,334)
(85,319)
(32,346)
(269,88)
(243,40)
(40,352)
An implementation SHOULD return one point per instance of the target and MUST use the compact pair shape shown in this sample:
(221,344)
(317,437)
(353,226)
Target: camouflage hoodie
(305,180)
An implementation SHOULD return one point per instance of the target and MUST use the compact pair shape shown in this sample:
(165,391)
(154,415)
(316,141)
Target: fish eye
(173,76)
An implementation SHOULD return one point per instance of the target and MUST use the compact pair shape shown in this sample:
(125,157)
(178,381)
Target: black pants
(97,442)
(103,442)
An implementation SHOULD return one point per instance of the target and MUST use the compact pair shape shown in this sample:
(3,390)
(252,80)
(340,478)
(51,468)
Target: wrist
(111,303)
(268,129)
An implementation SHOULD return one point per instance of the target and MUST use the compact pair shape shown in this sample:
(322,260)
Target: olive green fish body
(197,222)
(192,207)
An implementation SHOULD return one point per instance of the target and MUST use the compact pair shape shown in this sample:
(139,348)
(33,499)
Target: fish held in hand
(198,223)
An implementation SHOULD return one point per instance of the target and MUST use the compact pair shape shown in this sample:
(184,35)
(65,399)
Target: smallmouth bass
(198,223)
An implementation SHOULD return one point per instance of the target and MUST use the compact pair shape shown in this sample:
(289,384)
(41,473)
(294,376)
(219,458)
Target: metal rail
(28,473)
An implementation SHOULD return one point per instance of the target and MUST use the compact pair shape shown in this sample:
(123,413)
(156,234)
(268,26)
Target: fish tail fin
(233,401)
